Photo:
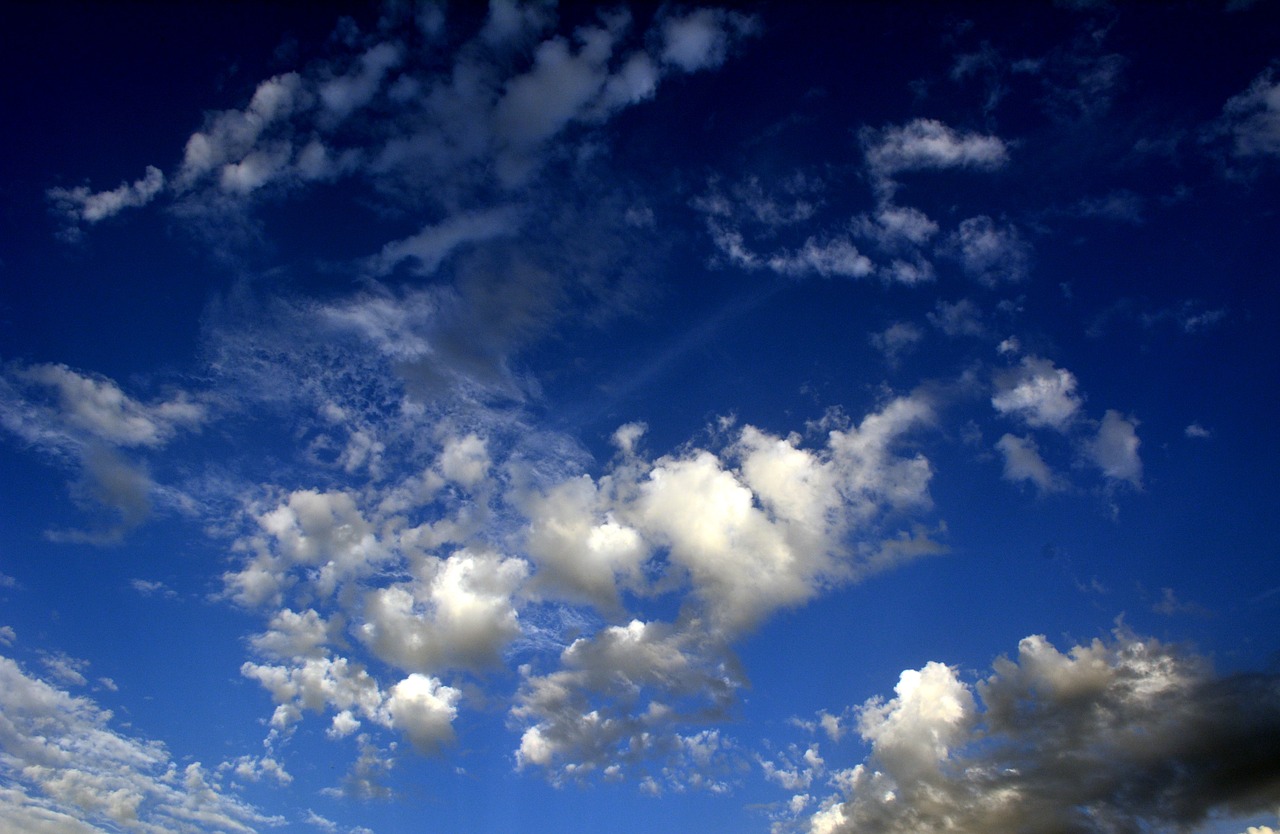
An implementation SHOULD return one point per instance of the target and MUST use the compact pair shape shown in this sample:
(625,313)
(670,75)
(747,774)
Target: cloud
(54,406)
(896,340)
(82,204)
(826,258)
(960,318)
(111,483)
(1022,462)
(429,247)
(1252,118)
(1114,449)
(1124,734)
(991,253)
(1197,431)
(1039,394)
(927,144)
(701,39)
(476,118)
(619,696)
(67,770)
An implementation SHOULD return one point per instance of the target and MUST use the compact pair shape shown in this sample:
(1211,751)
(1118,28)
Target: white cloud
(990,253)
(1114,449)
(465,460)
(1252,118)
(82,204)
(897,340)
(460,612)
(1022,462)
(1127,734)
(1039,394)
(88,408)
(924,144)
(424,710)
(67,771)
(960,318)
(837,256)
(345,93)
(1197,431)
(701,39)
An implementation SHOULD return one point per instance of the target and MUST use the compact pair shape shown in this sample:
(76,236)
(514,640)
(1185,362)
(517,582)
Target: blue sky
(780,418)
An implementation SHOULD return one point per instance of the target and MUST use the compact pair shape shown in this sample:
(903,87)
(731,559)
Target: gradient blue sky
(780,418)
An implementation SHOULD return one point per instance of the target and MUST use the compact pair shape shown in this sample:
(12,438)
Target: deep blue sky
(786,417)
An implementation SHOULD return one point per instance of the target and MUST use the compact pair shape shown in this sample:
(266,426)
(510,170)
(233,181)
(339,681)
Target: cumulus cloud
(91,207)
(897,340)
(701,39)
(55,406)
(1041,395)
(1114,449)
(1252,118)
(958,318)
(1123,734)
(924,144)
(481,119)
(991,253)
(1022,462)
(68,770)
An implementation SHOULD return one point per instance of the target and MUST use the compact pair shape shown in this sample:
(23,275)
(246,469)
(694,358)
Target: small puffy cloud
(1022,462)
(461,613)
(1114,449)
(81,204)
(1252,118)
(894,227)
(7,635)
(897,340)
(465,461)
(925,144)
(341,95)
(424,709)
(292,635)
(1198,432)
(1125,734)
(991,253)
(620,697)
(701,39)
(1038,393)
(149,588)
(837,256)
(959,318)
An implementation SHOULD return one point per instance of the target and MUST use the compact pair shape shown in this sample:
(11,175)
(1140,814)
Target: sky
(770,418)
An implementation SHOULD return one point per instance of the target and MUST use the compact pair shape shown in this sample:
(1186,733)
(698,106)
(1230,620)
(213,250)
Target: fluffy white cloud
(701,39)
(460,612)
(424,710)
(989,252)
(67,770)
(1038,393)
(1022,462)
(1114,449)
(82,204)
(924,144)
(1126,734)
(837,256)
(619,697)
